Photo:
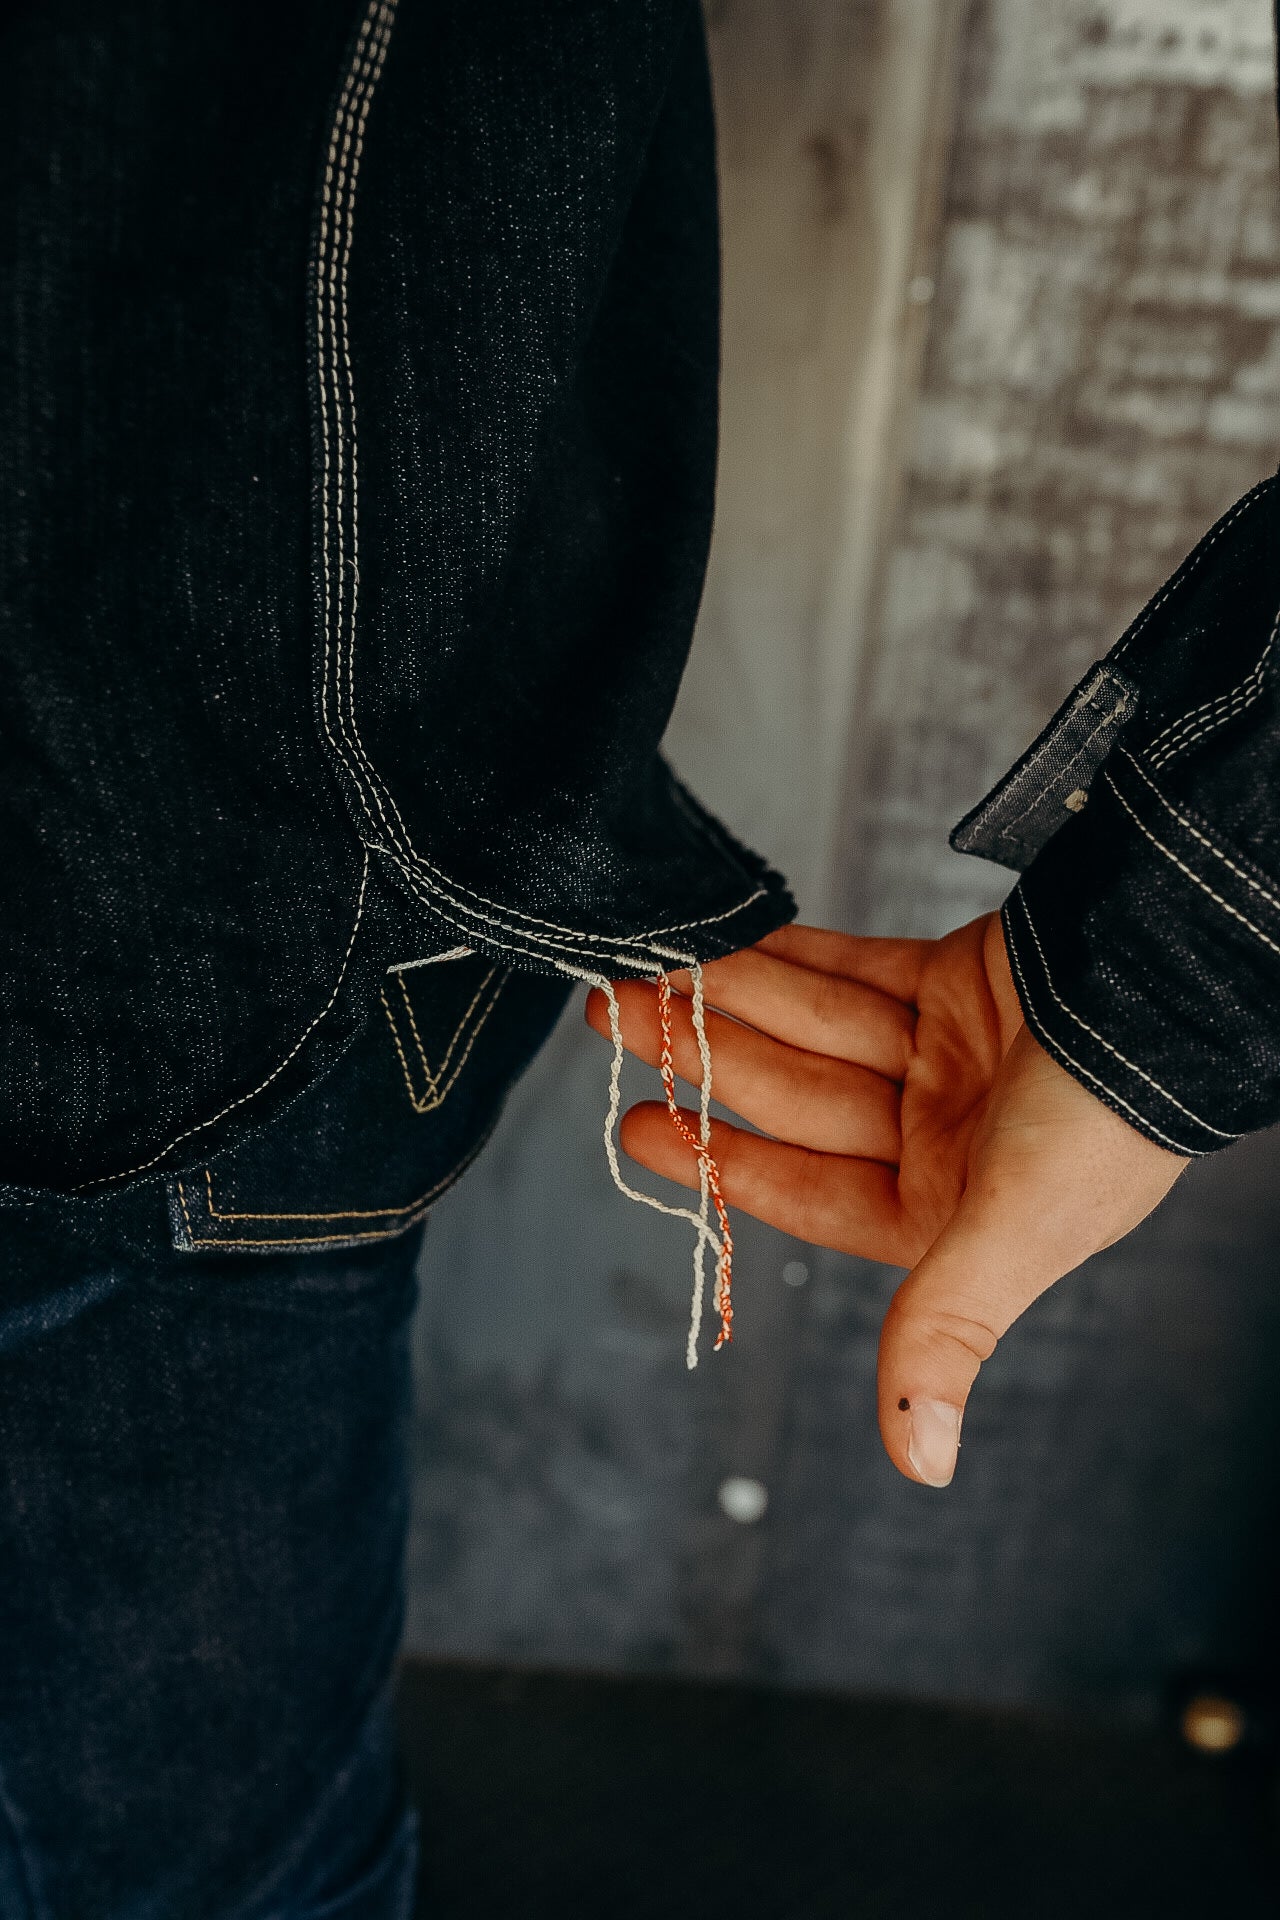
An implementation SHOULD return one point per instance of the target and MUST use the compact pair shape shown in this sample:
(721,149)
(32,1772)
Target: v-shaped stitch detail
(440,1080)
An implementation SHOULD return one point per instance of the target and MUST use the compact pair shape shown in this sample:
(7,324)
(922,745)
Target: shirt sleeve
(1144,932)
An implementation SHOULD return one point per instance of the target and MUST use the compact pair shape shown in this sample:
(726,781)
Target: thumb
(1053,1176)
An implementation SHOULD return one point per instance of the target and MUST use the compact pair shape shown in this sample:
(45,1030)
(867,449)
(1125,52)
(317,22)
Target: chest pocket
(365,1153)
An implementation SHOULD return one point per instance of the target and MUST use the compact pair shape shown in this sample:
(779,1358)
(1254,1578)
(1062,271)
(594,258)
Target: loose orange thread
(724,1264)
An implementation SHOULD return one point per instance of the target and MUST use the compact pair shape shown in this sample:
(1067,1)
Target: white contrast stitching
(1204,840)
(1214,713)
(382,38)
(346,145)
(1056,1047)
(430,959)
(441,882)
(529,943)
(706,920)
(1102,1041)
(332,604)
(262,1085)
(1192,874)
(1043,791)
(336,381)
(1192,561)
(539,946)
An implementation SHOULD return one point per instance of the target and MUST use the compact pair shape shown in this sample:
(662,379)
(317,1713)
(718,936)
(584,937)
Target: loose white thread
(431,959)
(698,1011)
(701,1220)
(704,1178)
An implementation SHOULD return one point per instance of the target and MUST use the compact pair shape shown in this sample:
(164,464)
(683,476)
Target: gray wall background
(1002,337)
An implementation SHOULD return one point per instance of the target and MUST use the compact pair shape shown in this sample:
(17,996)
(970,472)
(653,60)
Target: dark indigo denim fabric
(1144,934)
(358,386)
(204,1407)
(358,392)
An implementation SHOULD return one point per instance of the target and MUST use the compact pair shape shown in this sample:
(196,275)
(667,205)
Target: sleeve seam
(1212,714)
(1102,1041)
(1191,873)
(1197,833)
(1079,1071)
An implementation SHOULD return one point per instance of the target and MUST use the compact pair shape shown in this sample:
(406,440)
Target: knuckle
(972,1335)
(811,1194)
(825,999)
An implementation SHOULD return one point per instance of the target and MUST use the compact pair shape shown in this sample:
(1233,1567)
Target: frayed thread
(708,1171)
(709,1189)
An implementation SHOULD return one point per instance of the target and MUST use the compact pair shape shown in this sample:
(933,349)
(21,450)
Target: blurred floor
(663,1800)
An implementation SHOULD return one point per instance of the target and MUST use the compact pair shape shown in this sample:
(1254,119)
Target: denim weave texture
(358,394)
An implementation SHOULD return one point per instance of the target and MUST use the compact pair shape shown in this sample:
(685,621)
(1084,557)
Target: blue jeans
(204,1411)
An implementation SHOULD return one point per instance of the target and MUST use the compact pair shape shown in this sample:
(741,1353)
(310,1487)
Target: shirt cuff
(1146,954)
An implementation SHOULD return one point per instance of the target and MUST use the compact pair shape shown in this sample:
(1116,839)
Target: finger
(831,1200)
(892,966)
(812,1101)
(823,1012)
(1054,1176)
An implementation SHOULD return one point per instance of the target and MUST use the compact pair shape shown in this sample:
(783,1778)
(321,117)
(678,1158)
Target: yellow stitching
(328,1213)
(437,1094)
(434,1078)
(352,1213)
(307,1031)
(475,1033)
(419,1106)
(417,1037)
(466,1016)
(413,1210)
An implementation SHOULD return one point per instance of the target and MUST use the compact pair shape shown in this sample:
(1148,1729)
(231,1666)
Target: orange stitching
(724,1264)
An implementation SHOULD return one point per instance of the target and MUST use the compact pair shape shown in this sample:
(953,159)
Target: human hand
(909,1117)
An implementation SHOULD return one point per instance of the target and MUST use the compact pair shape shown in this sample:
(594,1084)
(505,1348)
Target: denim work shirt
(357,446)
(357,449)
